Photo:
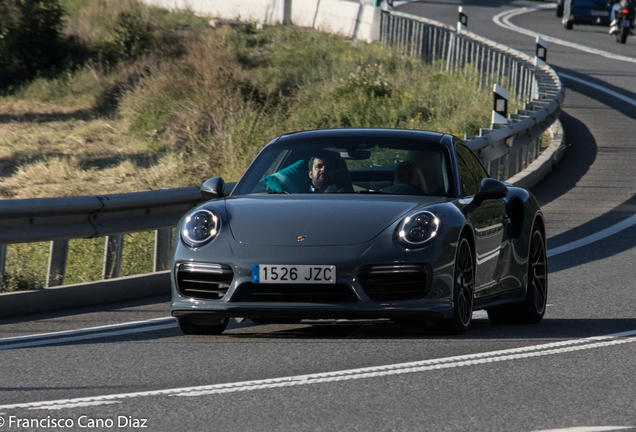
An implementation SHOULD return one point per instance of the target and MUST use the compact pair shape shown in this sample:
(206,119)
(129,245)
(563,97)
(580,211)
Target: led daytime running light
(200,227)
(418,229)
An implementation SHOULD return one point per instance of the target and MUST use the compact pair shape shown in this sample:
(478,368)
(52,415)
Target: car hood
(329,220)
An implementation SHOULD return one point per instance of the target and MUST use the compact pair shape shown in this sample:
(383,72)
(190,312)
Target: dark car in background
(594,12)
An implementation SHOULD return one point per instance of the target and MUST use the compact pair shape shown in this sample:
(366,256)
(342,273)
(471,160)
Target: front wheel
(463,291)
(202,326)
(559,11)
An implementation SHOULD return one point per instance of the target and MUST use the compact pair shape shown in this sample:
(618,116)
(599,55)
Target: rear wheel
(568,24)
(535,302)
(463,291)
(537,291)
(202,325)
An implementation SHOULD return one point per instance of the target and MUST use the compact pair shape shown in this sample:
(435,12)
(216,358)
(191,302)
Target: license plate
(625,23)
(294,274)
(600,13)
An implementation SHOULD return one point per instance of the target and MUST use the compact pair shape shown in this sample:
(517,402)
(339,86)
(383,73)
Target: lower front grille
(294,293)
(204,281)
(395,282)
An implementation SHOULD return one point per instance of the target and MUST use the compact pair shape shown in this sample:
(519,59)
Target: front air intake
(204,281)
(294,293)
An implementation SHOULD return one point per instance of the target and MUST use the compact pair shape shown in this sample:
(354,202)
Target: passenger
(323,168)
(408,173)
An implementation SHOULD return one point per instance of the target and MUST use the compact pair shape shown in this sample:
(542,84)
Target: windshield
(350,165)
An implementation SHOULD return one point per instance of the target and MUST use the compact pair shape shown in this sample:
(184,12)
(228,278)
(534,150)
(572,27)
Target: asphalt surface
(561,374)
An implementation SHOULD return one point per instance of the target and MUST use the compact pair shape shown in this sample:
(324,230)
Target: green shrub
(133,36)
(32,39)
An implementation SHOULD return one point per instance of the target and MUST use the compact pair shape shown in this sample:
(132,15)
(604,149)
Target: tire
(559,11)
(568,25)
(463,291)
(624,34)
(533,308)
(203,326)
(537,290)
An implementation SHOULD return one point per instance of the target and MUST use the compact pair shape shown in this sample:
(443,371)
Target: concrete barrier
(355,20)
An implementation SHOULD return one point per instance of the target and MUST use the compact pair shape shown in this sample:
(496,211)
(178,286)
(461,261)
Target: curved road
(130,368)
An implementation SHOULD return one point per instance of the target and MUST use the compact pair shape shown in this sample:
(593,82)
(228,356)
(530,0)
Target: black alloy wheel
(463,290)
(535,302)
(202,326)
(537,291)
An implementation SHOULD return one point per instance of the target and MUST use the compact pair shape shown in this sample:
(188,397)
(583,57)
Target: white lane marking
(78,405)
(346,375)
(87,336)
(601,88)
(503,20)
(587,429)
(631,221)
(87,329)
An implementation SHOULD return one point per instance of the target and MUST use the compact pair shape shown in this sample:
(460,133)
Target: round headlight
(200,227)
(418,229)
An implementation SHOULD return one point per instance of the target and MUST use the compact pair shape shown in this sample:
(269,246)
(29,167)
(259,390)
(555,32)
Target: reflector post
(500,105)
(541,52)
(462,21)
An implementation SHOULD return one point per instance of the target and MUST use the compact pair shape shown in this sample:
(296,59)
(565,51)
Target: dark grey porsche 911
(361,223)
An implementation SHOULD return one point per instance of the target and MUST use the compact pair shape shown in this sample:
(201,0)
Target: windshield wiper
(278,192)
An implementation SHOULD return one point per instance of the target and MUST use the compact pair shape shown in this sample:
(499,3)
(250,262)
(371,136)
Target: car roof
(429,136)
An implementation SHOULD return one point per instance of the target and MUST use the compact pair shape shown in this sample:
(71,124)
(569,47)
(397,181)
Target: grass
(198,102)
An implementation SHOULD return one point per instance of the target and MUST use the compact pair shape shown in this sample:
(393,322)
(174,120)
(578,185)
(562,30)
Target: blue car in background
(585,12)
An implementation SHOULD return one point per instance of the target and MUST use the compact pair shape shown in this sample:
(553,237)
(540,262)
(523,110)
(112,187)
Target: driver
(322,172)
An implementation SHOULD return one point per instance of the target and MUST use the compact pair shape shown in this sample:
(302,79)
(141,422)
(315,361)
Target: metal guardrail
(61,219)
(507,149)
(504,151)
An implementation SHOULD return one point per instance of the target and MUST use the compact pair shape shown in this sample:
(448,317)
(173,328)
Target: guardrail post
(57,263)
(3,263)
(163,244)
(112,256)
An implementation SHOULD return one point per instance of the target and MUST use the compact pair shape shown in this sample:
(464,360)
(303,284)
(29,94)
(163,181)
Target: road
(573,371)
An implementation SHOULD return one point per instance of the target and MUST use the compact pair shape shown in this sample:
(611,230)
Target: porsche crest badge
(301,238)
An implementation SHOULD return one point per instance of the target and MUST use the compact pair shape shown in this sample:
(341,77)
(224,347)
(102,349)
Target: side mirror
(490,188)
(213,188)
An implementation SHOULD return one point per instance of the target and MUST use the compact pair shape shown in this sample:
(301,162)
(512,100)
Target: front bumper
(362,294)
